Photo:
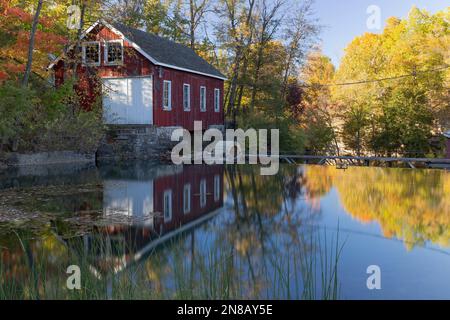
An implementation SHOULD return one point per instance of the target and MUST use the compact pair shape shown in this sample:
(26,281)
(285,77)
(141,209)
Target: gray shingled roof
(167,52)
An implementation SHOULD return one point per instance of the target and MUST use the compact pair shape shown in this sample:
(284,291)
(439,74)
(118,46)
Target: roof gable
(160,51)
(168,53)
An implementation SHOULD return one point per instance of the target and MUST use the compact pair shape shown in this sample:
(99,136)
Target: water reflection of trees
(413,205)
(261,246)
(264,246)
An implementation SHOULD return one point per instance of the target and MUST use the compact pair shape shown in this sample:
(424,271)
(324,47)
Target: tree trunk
(240,51)
(192,24)
(77,50)
(26,75)
(256,77)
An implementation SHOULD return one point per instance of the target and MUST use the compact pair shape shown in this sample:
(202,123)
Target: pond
(147,231)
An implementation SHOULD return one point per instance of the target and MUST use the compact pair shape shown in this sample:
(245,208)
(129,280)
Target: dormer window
(114,52)
(91,53)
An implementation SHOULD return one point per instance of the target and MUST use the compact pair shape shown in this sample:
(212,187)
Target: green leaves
(396,116)
(47,120)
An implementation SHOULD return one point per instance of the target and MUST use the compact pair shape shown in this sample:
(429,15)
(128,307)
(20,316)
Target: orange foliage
(15,24)
(412,205)
(19,13)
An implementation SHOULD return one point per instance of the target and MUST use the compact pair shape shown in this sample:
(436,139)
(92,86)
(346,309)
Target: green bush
(16,106)
(292,138)
(47,119)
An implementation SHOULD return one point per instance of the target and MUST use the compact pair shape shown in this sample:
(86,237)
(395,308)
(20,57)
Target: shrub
(51,120)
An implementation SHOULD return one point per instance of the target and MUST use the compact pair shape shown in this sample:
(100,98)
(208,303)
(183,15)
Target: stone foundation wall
(47,158)
(140,143)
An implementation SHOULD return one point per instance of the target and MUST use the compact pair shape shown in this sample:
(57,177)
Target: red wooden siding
(136,65)
(139,236)
(192,175)
(177,116)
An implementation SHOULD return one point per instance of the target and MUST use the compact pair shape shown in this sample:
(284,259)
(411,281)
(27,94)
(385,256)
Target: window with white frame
(167,95)
(114,52)
(187,199)
(216,188)
(203,193)
(91,53)
(203,99)
(216,100)
(186,97)
(167,205)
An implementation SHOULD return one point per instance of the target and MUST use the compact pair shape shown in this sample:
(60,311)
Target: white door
(128,100)
(126,198)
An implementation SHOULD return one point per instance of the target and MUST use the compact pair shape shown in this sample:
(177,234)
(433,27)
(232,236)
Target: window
(203,193)
(216,100)
(216,188)
(202,99)
(167,95)
(114,52)
(91,53)
(167,205)
(187,97)
(187,199)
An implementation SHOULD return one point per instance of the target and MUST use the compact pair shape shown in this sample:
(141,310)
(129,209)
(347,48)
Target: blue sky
(345,19)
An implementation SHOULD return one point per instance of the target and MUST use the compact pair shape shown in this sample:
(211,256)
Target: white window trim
(169,194)
(204,99)
(106,53)
(187,210)
(189,98)
(217,188)
(203,200)
(169,106)
(217,100)
(97,64)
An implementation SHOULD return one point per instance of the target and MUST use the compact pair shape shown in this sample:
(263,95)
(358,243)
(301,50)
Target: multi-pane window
(216,100)
(186,97)
(167,95)
(114,52)
(167,205)
(216,188)
(203,99)
(203,193)
(91,53)
(187,199)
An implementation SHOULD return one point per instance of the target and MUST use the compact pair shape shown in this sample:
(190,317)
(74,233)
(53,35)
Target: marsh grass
(304,270)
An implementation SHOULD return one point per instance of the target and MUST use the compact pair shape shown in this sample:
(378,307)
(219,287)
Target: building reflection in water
(148,210)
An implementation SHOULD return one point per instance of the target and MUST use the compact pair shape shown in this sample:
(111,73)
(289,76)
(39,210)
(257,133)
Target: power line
(414,74)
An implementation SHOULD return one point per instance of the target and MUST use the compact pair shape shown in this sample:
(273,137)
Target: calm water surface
(145,231)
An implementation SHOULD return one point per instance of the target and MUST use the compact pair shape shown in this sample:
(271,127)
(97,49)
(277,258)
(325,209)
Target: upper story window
(216,188)
(114,52)
(167,95)
(167,205)
(91,53)
(216,100)
(203,193)
(202,99)
(187,97)
(187,199)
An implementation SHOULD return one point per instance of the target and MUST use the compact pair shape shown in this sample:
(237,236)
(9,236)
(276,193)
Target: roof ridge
(158,36)
(187,59)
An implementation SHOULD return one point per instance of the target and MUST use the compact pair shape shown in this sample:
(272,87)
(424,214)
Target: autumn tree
(392,86)
(319,117)
(20,28)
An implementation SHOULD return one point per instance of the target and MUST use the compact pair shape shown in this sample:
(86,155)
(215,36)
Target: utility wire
(414,74)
